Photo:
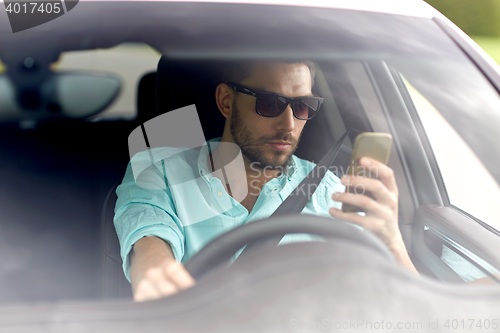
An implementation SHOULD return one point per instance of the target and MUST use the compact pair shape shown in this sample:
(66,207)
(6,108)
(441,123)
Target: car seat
(184,82)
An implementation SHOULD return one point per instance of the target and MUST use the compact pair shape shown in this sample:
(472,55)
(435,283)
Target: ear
(224,98)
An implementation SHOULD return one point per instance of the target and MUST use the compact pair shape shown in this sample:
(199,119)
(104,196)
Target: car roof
(416,8)
(109,26)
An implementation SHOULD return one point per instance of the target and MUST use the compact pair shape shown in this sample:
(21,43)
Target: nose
(286,120)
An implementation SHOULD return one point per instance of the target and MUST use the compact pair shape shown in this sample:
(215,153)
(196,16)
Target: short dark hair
(237,71)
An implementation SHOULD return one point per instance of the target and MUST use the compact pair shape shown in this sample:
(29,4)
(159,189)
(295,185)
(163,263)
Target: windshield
(152,145)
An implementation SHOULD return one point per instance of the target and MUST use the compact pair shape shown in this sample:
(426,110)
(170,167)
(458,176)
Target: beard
(254,150)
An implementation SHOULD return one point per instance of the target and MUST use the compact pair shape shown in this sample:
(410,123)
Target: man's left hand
(381,213)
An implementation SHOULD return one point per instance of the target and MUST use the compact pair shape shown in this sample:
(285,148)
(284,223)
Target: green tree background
(480,19)
(475,17)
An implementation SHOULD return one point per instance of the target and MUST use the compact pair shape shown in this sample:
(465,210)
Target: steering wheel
(222,248)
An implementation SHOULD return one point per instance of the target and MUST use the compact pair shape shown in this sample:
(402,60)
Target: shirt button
(219,194)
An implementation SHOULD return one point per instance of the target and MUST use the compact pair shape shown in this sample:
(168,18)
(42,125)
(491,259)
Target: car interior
(67,170)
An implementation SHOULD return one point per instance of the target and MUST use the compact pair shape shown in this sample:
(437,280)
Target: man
(158,230)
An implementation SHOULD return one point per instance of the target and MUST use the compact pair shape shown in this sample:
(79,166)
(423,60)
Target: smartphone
(367,144)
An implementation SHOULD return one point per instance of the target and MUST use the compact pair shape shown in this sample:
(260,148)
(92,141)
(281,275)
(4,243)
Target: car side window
(469,185)
(465,269)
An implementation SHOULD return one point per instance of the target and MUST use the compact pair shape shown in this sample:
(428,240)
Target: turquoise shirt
(177,199)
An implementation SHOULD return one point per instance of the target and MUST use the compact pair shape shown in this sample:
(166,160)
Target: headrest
(184,82)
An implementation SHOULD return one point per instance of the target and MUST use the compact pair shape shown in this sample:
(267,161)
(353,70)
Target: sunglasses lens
(305,108)
(269,105)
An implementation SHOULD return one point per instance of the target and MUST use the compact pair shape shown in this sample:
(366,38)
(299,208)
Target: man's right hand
(154,272)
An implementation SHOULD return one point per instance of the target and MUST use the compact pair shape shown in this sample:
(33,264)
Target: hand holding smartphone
(368,144)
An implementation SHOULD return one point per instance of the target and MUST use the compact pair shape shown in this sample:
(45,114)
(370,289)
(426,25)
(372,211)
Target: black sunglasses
(269,104)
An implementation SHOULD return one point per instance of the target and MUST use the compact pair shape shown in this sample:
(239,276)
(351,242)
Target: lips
(280,145)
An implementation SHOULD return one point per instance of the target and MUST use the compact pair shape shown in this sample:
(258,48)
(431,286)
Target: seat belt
(296,201)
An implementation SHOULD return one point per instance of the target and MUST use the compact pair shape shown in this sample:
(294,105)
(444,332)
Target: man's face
(269,142)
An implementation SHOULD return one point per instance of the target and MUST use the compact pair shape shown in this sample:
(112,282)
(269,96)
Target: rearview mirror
(63,95)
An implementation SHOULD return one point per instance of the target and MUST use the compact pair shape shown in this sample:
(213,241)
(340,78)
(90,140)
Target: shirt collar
(290,168)
(206,149)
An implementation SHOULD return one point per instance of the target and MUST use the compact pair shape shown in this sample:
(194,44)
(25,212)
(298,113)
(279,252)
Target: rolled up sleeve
(145,211)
